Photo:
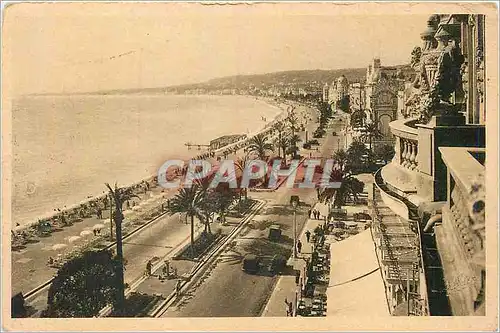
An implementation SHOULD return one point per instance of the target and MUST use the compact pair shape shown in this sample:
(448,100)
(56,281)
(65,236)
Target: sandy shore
(74,210)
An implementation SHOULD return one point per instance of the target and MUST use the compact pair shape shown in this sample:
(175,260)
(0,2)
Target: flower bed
(202,244)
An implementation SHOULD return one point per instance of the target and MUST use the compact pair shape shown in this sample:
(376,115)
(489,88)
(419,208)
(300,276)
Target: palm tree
(292,121)
(350,187)
(240,164)
(120,195)
(384,152)
(190,201)
(340,158)
(283,142)
(259,144)
(371,132)
(220,199)
(355,154)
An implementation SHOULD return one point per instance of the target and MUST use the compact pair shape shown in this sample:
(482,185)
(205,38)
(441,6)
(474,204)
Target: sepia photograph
(249,162)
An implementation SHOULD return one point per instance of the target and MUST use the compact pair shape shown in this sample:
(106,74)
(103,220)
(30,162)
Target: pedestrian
(149,268)
(167,267)
(308,235)
(309,213)
(178,288)
(289,308)
(299,246)
(297,277)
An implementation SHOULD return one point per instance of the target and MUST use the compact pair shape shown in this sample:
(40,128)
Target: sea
(66,147)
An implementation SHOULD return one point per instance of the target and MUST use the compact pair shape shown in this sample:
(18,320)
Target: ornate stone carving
(480,74)
(446,80)
(416,54)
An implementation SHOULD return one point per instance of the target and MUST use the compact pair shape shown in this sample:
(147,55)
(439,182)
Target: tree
(283,142)
(190,201)
(120,195)
(384,152)
(240,165)
(219,201)
(259,144)
(371,132)
(292,121)
(84,285)
(356,155)
(340,158)
(294,139)
(343,104)
(350,187)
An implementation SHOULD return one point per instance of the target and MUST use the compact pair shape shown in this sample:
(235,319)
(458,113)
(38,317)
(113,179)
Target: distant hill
(296,78)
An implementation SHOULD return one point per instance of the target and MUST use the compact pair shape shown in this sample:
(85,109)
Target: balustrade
(464,216)
(409,153)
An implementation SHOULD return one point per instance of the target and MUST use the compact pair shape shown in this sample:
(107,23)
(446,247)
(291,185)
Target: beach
(66,147)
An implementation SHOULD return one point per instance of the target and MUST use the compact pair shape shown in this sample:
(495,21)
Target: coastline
(75,209)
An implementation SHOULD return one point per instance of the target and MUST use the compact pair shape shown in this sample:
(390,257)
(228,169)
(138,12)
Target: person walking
(178,288)
(309,213)
(299,246)
(308,235)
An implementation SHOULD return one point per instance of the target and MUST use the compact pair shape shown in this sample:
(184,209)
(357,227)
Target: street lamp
(294,201)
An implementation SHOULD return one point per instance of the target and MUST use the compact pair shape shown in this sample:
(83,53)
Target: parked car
(275,233)
(314,142)
(251,263)
(278,263)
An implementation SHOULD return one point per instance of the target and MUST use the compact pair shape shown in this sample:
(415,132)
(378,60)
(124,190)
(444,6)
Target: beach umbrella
(73,239)
(85,233)
(98,226)
(59,246)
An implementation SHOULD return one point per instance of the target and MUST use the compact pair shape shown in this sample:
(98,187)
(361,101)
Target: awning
(356,287)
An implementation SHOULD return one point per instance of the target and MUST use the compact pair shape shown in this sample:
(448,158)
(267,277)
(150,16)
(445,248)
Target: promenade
(159,239)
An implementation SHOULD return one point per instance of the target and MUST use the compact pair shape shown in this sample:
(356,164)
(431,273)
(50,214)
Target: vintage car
(251,263)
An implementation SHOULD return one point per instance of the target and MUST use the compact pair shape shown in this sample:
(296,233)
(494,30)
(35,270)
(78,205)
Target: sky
(63,48)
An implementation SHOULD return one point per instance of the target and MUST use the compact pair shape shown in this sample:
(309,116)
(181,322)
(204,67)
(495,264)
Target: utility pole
(111,217)
(408,293)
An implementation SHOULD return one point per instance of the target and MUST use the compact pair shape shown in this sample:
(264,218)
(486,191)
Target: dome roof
(342,80)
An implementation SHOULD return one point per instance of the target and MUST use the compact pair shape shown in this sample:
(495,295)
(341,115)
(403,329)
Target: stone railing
(409,153)
(461,236)
(406,143)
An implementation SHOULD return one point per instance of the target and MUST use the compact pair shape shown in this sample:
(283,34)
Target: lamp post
(294,201)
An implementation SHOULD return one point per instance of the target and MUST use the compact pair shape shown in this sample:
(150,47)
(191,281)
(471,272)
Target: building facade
(434,186)
(382,87)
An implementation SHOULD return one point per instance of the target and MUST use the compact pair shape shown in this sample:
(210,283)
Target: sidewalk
(285,287)
(29,264)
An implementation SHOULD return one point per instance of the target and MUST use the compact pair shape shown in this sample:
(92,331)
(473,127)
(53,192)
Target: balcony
(406,143)
(400,176)
(460,236)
